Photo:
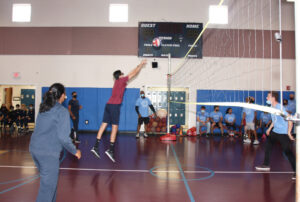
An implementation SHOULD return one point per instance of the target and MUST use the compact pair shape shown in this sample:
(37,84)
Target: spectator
(24,121)
(202,120)
(31,114)
(230,122)
(216,119)
(265,121)
(291,107)
(4,111)
(249,115)
(74,108)
(11,118)
(285,102)
(1,116)
(18,121)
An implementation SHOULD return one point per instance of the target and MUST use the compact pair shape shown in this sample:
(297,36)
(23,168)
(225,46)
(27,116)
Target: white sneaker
(247,141)
(137,135)
(262,168)
(255,142)
(145,135)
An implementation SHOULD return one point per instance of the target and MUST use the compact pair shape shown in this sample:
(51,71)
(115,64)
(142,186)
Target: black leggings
(285,143)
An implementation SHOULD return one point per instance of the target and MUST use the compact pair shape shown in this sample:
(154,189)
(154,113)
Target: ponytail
(51,97)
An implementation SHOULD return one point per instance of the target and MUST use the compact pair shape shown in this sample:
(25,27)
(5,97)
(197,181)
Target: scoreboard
(175,38)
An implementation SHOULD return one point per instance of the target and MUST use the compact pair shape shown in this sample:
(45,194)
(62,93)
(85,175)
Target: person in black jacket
(50,136)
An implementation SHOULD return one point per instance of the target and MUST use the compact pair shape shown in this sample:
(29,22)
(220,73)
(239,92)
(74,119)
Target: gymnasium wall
(93,102)
(46,56)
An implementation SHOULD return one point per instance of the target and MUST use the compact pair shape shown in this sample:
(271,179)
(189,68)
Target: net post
(297,37)
(169,92)
(280,54)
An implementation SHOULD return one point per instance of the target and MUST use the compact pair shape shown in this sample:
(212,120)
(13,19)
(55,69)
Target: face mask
(268,102)
(142,95)
(74,96)
(291,98)
(66,97)
(30,107)
(217,110)
(202,111)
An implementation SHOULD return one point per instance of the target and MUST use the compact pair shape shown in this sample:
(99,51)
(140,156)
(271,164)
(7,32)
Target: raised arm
(136,70)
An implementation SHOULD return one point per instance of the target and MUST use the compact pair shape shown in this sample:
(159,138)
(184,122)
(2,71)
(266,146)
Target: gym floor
(191,169)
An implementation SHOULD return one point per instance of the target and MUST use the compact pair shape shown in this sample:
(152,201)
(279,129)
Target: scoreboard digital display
(158,39)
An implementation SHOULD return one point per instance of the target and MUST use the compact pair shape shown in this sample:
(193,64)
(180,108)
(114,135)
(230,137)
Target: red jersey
(118,91)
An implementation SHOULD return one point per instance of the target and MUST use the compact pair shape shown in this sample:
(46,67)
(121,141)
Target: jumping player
(112,109)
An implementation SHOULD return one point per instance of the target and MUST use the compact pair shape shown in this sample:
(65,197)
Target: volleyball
(162,113)
(156,42)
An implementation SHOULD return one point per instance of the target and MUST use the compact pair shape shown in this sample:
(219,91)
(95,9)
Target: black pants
(75,127)
(286,145)
(75,124)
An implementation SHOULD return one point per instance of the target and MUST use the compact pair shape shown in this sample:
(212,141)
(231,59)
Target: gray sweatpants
(48,167)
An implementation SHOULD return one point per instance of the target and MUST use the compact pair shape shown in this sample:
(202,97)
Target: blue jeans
(48,167)
(199,124)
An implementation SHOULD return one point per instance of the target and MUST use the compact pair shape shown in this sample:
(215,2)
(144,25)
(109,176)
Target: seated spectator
(19,113)
(291,106)
(265,121)
(202,120)
(216,119)
(230,122)
(24,121)
(11,117)
(4,111)
(1,116)
(285,102)
(31,114)
(249,115)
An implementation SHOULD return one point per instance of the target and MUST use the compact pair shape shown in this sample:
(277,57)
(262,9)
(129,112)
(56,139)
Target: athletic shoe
(247,141)
(262,168)
(77,141)
(294,177)
(145,135)
(110,154)
(137,135)
(255,142)
(95,151)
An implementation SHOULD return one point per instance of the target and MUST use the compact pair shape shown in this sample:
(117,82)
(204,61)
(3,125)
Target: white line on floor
(155,171)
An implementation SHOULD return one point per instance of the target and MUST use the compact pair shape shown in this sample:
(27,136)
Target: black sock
(112,146)
(97,143)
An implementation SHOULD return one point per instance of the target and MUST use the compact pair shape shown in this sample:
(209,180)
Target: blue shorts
(112,114)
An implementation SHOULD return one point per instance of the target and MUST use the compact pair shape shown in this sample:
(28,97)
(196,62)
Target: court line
(156,171)
(29,179)
(182,175)
(20,185)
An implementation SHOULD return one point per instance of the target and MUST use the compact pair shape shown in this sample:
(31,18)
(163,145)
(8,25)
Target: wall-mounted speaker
(154,64)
